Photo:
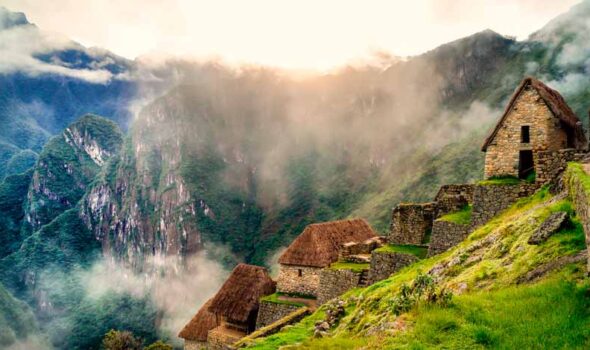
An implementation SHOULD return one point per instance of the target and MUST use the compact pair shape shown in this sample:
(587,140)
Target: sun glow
(303,34)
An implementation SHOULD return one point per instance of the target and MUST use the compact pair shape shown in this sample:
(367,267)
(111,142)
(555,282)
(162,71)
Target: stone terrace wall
(581,200)
(218,339)
(270,312)
(490,200)
(194,345)
(384,264)
(464,190)
(289,280)
(410,222)
(335,282)
(550,164)
(446,235)
(354,248)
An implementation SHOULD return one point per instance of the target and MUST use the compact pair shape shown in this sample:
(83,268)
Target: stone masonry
(490,200)
(552,163)
(384,264)
(336,282)
(451,198)
(502,155)
(290,280)
(270,312)
(446,235)
(411,222)
(194,345)
(581,201)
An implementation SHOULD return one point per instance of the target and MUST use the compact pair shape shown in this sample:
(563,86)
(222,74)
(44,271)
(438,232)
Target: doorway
(525,164)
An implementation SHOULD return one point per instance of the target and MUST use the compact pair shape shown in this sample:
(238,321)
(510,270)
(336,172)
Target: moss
(416,250)
(461,217)
(354,267)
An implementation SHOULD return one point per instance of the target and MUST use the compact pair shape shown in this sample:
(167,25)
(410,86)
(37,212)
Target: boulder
(551,225)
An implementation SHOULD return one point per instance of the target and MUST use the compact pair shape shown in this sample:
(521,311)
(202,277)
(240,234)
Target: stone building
(537,119)
(315,248)
(235,309)
(195,332)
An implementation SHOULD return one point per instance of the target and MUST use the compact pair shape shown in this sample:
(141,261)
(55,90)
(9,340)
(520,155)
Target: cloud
(21,45)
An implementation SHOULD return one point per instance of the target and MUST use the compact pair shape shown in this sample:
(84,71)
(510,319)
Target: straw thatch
(319,244)
(200,324)
(239,295)
(556,104)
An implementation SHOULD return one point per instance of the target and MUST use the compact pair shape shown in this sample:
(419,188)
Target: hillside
(45,87)
(505,292)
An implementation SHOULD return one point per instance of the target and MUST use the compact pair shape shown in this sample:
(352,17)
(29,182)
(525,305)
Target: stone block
(550,226)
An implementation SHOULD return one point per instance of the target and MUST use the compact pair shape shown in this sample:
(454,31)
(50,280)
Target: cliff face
(140,206)
(66,166)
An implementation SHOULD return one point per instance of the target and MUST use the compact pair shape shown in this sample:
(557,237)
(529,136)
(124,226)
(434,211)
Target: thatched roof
(556,104)
(198,327)
(240,293)
(319,244)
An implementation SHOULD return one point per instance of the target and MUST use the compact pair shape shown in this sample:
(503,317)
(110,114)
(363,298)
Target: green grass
(354,267)
(551,315)
(274,298)
(492,310)
(461,217)
(418,251)
(500,180)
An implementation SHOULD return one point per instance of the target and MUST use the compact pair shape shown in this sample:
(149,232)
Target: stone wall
(384,264)
(550,164)
(529,109)
(289,280)
(219,338)
(490,200)
(335,282)
(270,312)
(446,235)
(463,190)
(194,345)
(411,222)
(357,248)
(581,200)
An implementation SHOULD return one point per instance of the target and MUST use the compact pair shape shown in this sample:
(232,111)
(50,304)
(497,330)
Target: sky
(298,34)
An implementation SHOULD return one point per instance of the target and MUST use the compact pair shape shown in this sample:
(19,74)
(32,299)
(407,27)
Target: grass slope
(492,307)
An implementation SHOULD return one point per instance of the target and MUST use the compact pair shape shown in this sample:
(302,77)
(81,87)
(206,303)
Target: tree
(120,340)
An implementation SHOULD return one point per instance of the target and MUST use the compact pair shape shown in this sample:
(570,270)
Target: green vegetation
(274,298)
(461,217)
(416,250)
(492,310)
(551,315)
(16,319)
(354,267)
(501,180)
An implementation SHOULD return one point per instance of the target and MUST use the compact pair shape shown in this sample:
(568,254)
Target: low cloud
(21,45)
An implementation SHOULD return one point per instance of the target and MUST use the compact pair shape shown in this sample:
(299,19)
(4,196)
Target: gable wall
(545,134)
(289,280)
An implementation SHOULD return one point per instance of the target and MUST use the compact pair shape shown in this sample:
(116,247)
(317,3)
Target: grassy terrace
(494,311)
(418,251)
(461,217)
(354,267)
(508,180)
(275,298)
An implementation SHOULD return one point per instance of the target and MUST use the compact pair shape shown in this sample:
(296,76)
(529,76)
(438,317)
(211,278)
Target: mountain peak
(10,19)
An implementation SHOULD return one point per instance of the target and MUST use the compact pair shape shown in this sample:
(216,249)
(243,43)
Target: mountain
(17,322)
(235,162)
(48,83)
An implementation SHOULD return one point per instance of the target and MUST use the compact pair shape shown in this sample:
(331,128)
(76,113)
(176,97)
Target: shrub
(120,340)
